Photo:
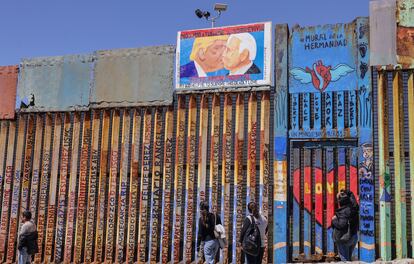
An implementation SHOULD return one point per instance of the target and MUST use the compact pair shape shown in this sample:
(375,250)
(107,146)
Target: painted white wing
(300,75)
(339,71)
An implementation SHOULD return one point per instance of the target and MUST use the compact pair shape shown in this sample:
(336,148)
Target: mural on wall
(330,97)
(224,57)
(366,171)
(322,59)
(323,81)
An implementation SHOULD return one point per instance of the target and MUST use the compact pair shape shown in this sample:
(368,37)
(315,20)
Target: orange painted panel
(8,85)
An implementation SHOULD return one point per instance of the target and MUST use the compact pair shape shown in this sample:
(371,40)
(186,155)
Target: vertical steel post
(384,177)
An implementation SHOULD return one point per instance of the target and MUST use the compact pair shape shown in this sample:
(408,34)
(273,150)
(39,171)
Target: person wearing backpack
(27,239)
(345,223)
(253,235)
(206,236)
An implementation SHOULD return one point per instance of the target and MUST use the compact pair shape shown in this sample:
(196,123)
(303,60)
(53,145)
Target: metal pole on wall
(366,165)
(384,175)
(399,167)
(280,223)
(411,140)
(217,7)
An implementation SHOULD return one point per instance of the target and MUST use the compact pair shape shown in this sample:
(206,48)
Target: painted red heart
(318,190)
(321,75)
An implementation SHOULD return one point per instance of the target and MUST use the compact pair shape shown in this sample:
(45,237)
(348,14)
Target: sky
(38,28)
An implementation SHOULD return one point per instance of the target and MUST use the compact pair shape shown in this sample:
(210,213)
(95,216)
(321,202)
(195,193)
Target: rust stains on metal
(8,84)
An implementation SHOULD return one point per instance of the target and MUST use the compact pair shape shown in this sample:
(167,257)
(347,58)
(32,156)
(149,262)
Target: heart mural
(321,75)
(318,189)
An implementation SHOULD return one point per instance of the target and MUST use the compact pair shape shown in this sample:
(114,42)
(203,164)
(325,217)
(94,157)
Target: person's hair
(249,206)
(204,206)
(343,198)
(27,215)
(248,42)
(203,43)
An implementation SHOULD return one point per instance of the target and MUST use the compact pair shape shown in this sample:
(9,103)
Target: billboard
(224,57)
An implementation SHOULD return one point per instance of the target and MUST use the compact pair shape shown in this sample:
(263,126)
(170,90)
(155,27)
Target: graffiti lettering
(305,108)
(167,197)
(156,186)
(60,221)
(316,41)
(328,110)
(178,185)
(295,106)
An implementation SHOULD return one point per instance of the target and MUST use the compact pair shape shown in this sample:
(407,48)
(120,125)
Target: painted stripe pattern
(92,189)
(63,185)
(16,191)
(112,188)
(87,158)
(82,188)
(8,178)
(51,208)
(134,187)
(144,211)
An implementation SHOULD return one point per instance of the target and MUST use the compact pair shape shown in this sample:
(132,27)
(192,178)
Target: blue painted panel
(55,83)
(279,230)
(322,59)
(296,230)
(280,210)
(365,170)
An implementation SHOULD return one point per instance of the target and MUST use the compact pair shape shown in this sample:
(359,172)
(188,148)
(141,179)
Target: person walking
(251,222)
(27,239)
(207,223)
(345,223)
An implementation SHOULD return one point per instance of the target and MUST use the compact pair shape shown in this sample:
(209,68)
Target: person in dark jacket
(261,223)
(206,235)
(346,219)
(27,239)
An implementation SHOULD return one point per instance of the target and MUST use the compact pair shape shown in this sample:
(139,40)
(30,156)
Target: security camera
(220,7)
(199,13)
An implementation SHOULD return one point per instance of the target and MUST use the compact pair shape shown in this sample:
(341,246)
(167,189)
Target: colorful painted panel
(318,171)
(322,59)
(54,83)
(224,57)
(323,94)
(8,85)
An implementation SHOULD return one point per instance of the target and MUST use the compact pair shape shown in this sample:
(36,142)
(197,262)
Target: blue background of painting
(186,46)
(301,58)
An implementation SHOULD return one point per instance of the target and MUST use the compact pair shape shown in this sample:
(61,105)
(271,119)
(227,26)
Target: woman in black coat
(206,235)
(345,223)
